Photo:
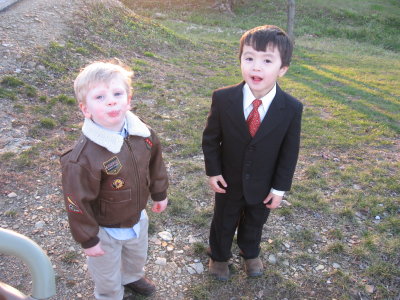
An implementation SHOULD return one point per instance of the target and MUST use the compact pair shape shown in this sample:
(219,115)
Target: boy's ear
(129,101)
(84,110)
(283,70)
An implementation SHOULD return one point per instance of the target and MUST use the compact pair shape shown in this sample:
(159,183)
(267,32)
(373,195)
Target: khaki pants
(122,263)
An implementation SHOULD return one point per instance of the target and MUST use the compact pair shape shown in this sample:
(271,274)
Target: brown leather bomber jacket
(102,188)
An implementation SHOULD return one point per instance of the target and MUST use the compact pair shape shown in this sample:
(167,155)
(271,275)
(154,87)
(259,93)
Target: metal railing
(43,280)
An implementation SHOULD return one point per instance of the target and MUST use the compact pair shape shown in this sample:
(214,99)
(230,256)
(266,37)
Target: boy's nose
(111,101)
(256,66)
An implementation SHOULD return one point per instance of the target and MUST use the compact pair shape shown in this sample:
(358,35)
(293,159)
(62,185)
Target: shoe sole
(219,278)
(140,292)
(258,274)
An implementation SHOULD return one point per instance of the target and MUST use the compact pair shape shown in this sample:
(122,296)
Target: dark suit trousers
(230,214)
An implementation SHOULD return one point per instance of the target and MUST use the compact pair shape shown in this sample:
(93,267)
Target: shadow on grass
(352,93)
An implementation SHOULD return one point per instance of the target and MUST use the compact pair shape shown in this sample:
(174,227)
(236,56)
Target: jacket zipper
(135,166)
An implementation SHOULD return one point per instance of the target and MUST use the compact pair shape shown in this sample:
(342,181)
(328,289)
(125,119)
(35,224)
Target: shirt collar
(248,96)
(123,132)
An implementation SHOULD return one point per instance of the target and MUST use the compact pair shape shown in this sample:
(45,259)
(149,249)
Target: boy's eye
(268,61)
(248,59)
(117,94)
(99,97)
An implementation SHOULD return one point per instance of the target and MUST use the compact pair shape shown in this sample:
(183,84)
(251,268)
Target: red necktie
(253,120)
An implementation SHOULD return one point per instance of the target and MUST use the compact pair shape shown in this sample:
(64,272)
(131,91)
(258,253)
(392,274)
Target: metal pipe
(43,280)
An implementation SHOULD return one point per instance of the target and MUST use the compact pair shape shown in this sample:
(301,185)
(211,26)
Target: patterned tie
(253,120)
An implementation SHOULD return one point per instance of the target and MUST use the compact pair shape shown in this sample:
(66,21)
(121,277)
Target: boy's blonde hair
(101,71)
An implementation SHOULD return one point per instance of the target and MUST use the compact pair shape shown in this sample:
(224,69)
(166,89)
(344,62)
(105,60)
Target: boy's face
(261,69)
(107,103)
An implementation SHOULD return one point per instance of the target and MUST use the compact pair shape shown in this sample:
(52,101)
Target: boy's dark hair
(268,35)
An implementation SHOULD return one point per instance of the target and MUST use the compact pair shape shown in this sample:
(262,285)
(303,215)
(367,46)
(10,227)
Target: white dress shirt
(248,99)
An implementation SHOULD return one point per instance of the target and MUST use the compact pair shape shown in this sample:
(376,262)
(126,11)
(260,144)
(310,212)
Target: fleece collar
(109,140)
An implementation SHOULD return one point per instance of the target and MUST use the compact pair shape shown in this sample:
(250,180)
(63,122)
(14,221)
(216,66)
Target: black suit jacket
(251,166)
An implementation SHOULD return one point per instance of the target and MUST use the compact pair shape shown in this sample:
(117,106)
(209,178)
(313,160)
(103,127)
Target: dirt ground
(26,25)
(36,196)
(31,202)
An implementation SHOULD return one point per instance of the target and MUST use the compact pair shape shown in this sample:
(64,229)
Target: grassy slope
(344,70)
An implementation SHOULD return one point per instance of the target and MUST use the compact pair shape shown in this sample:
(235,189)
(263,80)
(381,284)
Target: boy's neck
(265,94)
(111,130)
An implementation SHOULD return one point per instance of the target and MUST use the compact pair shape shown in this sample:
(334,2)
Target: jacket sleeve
(211,143)
(288,153)
(80,188)
(157,171)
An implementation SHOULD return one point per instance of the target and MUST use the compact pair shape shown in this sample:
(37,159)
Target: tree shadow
(370,101)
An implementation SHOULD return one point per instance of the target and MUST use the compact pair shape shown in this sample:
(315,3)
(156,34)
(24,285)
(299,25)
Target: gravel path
(29,24)
(31,202)
(34,207)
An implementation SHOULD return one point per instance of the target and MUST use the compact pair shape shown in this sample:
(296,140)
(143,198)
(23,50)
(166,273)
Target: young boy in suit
(107,179)
(250,145)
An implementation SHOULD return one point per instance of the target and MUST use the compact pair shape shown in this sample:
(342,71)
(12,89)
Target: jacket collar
(235,110)
(109,140)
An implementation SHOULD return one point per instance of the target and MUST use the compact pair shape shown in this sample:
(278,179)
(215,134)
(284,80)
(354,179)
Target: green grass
(11,213)
(70,257)
(48,123)
(303,238)
(63,99)
(10,81)
(202,218)
(27,158)
(199,248)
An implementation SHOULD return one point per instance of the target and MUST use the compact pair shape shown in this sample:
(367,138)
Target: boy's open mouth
(113,113)
(256,78)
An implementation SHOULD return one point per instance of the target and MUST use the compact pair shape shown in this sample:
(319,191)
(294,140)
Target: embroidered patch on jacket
(149,143)
(112,166)
(118,183)
(73,207)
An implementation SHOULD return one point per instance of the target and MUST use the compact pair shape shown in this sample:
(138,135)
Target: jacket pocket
(115,196)
(116,205)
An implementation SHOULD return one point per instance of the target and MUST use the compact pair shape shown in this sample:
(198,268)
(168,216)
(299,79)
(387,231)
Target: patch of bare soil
(30,199)
(27,25)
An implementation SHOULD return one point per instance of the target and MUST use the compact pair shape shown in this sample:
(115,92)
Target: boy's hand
(94,251)
(273,201)
(159,206)
(215,183)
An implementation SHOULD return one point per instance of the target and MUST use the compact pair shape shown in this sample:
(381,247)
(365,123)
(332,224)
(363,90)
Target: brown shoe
(143,286)
(253,267)
(219,269)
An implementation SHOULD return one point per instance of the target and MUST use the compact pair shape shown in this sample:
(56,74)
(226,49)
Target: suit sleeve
(80,188)
(158,172)
(288,153)
(211,142)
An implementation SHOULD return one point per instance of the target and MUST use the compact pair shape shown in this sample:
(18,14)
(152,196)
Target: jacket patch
(118,183)
(149,143)
(73,207)
(112,166)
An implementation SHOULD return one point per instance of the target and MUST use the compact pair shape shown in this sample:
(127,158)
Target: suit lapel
(273,117)
(235,110)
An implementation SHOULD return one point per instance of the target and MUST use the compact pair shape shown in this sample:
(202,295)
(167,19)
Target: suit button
(248,163)
(247,176)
